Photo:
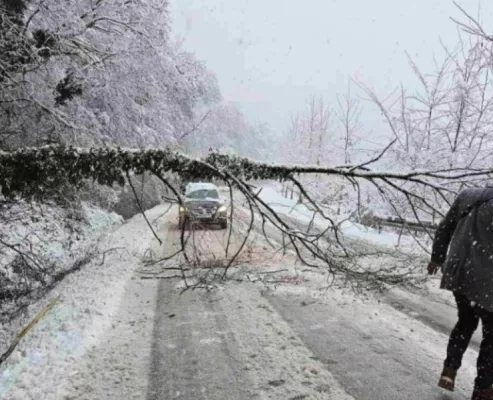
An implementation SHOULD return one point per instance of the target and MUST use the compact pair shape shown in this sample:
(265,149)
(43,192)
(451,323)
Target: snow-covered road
(230,344)
(223,344)
(373,351)
(242,340)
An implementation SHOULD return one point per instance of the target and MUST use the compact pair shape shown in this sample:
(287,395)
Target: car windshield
(203,194)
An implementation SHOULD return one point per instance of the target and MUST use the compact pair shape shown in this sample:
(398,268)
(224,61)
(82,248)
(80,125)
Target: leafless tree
(349,114)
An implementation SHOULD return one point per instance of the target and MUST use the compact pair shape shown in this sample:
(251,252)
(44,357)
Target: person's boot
(482,394)
(447,379)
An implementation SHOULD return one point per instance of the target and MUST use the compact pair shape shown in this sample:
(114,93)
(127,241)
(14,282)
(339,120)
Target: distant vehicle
(204,205)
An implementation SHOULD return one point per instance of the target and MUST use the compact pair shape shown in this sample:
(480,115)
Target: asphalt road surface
(246,341)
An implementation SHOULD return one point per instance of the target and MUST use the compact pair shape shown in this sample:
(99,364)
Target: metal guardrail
(396,222)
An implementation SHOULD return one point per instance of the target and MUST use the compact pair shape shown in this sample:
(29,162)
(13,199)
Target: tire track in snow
(229,344)
(193,357)
(374,352)
(193,354)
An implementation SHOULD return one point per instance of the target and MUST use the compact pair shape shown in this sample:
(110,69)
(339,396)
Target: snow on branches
(88,73)
(32,171)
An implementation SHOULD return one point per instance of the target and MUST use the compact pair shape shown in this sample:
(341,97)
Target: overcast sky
(271,55)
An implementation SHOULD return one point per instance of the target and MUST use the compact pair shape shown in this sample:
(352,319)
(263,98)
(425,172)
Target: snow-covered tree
(348,115)
(323,135)
(224,127)
(96,71)
(447,123)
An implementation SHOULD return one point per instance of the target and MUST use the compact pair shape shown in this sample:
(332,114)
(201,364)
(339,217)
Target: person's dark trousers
(469,316)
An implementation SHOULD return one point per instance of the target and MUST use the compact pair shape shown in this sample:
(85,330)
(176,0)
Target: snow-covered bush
(41,243)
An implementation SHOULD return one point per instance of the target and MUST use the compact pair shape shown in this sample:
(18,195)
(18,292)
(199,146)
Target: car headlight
(222,209)
(182,209)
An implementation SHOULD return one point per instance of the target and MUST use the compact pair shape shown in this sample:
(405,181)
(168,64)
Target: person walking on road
(463,250)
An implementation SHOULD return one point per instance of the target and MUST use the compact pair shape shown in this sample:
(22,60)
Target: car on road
(204,205)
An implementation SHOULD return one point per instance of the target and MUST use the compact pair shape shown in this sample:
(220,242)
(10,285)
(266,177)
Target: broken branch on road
(22,171)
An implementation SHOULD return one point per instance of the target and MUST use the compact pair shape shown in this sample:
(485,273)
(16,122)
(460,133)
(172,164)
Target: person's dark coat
(468,267)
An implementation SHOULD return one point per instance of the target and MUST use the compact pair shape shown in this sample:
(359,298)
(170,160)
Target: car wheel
(224,225)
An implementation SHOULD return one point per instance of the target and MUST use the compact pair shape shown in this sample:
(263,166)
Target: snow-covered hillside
(41,242)
(89,298)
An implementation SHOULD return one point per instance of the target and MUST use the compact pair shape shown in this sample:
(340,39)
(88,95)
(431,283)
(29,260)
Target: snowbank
(55,233)
(301,213)
(89,299)
(41,240)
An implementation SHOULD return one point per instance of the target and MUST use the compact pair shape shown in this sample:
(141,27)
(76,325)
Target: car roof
(200,186)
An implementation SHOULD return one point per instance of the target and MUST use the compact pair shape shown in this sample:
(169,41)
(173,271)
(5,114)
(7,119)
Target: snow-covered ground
(385,254)
(55,233)
(274,330)
(402,246)
(38,241)
(303,214)
(89,300)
